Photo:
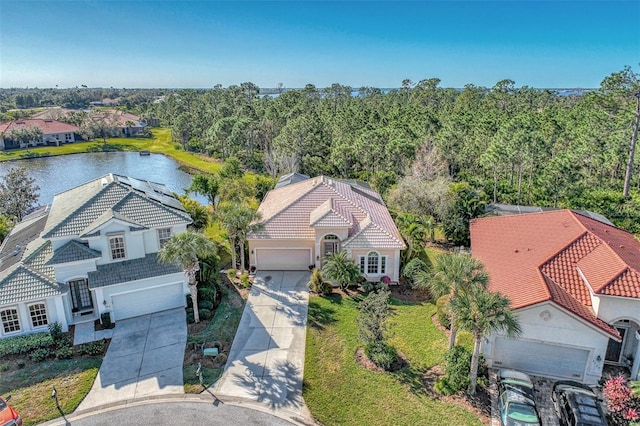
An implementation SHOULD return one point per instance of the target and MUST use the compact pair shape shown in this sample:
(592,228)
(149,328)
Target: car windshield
(522,413)
(3,405)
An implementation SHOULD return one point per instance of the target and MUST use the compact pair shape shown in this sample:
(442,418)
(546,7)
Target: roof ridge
(564,248)
(82,206)
(144,197)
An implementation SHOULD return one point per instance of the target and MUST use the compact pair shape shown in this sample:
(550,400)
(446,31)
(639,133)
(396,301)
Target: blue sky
(201,43)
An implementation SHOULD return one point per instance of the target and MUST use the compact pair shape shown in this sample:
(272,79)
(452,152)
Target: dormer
(329,217)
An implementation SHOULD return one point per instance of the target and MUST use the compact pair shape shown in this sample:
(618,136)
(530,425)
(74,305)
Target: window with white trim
(38,313)
(10,320)
(116,245)
(373,263)
(164,235)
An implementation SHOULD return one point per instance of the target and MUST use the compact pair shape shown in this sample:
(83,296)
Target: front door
(80,295)
(614,349)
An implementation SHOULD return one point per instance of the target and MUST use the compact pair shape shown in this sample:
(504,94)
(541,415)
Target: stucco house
(305,219)
(574,282)
(53,133)
(93,250)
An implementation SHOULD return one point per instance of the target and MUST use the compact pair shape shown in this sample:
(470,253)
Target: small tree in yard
(184,249)
(482,312)
(18,193)
(372,328)
(340,267)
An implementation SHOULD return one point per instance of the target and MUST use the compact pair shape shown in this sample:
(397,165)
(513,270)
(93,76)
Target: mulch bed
(363,360)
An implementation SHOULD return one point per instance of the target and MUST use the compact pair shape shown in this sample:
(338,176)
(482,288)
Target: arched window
(373,264)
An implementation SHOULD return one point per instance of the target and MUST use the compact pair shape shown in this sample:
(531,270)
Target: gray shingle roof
(31,280)
(130,270)
(13,246)
(73,251)
(75,216)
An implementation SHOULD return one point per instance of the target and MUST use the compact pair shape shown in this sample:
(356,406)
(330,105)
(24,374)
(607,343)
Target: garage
(147,301)
(274,259)
(539,358)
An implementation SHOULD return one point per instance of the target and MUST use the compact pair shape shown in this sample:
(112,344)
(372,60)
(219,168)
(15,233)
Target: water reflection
(57,174)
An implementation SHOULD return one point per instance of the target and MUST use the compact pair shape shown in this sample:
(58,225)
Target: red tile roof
(547,256)
(48,127)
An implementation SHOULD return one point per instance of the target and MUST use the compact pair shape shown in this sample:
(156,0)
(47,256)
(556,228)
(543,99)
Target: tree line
(504,144)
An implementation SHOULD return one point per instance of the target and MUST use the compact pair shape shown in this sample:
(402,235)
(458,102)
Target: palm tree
(482,313)
(340,267)
(413,230)
(452,274)
(238,220)
(184,249)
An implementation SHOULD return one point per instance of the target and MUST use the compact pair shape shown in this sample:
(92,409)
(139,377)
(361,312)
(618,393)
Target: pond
(57,174)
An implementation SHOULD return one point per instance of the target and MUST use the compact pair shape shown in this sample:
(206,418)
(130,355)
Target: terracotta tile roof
(48,127)
(287,212)
(544,256)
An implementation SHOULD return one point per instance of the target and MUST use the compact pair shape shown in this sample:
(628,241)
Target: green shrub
(93,348)
(205,314)
(231,274)
(369,286)
(40,355)
(412,268)
(24,344)
(443,387)
(55,330)
(318,285)
(190,317)
(244,280)
(209,294)
(62,342)
(4,367)
(205,304)
(458,365)
(64,352)
(382,354)
(105,319)
(442,309)
(374,311)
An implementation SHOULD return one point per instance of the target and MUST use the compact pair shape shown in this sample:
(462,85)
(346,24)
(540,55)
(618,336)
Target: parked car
(8,416)
(576,404)
(516,401)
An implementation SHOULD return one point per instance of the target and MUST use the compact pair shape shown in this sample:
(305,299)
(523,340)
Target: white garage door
(540,358)
(147,301)
(283,259)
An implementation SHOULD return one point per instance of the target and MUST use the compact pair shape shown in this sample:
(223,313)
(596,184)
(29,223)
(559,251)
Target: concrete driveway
(144,359)
(266,359)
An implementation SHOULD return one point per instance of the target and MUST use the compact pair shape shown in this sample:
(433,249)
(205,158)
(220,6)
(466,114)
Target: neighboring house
(307,219)
(53,133)
(127,123)
(575,284)
(94,250)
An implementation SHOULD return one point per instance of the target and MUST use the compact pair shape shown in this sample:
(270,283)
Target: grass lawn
(339,391)
(30,387)
(221,328)
(159,143)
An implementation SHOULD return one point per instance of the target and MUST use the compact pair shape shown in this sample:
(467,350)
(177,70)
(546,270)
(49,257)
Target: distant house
(306,219)
(127,123)
(53,133)
(575,284)
(94,250)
